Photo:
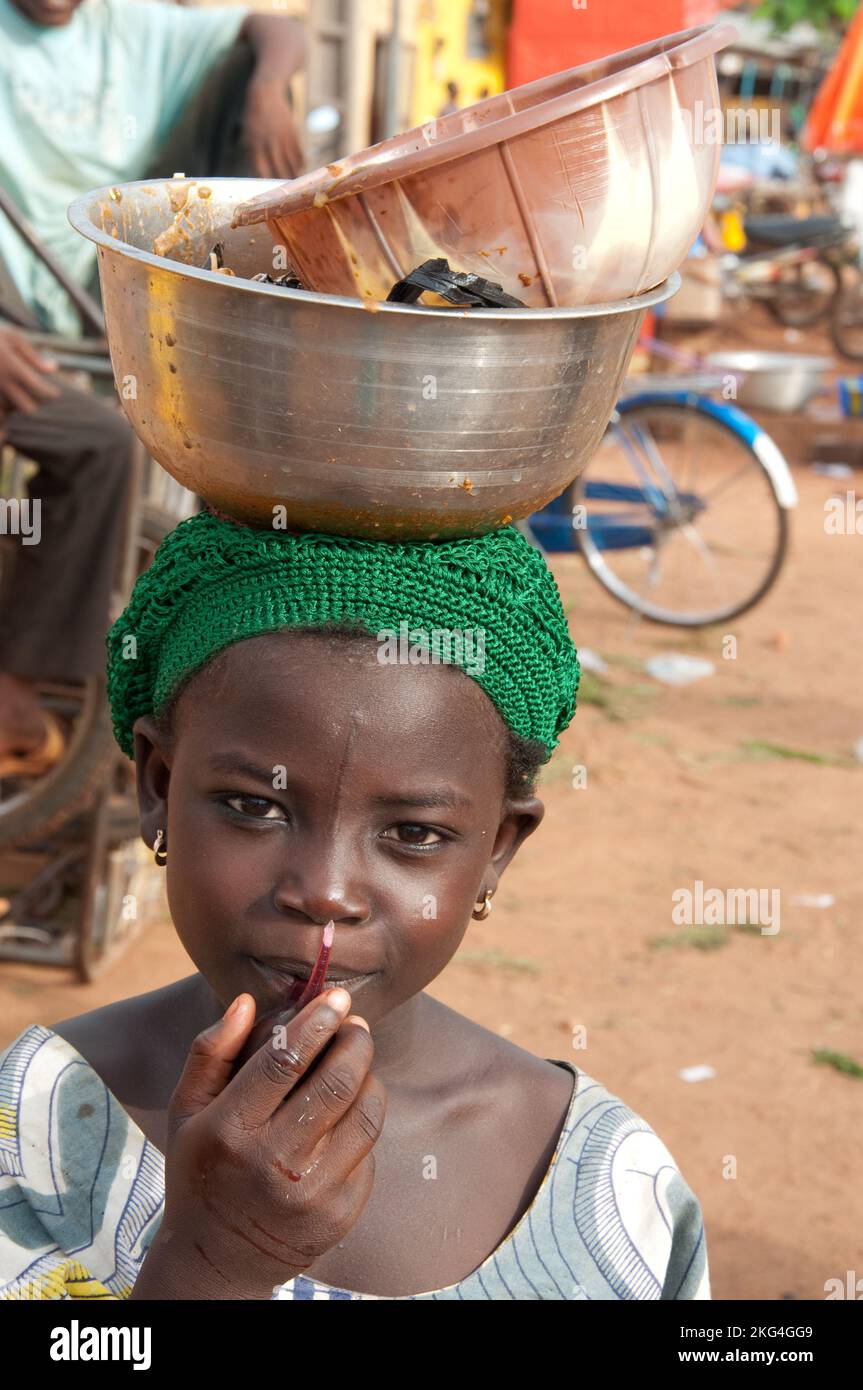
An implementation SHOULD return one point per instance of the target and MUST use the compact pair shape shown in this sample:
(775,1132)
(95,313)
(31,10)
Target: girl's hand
(269,1168)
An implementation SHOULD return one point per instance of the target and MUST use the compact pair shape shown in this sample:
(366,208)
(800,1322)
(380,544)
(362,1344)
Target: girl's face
(304,782)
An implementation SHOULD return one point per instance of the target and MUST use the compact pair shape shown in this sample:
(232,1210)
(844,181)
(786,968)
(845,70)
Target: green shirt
(86,104)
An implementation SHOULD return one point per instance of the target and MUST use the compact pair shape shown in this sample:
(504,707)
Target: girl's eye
(409,834)
(256,807)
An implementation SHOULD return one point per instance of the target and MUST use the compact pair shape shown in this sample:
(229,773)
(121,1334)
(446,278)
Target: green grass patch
(595,690)
(629,663)
(761,748)
(703,938)
(498,960)
(839,1061)
(695,938)
(619,702)
(648,739)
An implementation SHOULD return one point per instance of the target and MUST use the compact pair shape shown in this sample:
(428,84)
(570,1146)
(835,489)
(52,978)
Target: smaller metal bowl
(584,187)
(783,381)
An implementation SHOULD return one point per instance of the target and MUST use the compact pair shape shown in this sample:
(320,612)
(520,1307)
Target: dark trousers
(56,613)
(55,618)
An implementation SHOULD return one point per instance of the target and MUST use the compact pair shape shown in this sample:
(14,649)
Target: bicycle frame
(772,459)
(665,503)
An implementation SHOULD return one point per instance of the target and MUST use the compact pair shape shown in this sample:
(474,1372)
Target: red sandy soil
(674,795)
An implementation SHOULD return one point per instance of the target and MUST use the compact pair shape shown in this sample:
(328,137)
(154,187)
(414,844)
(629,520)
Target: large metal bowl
(403,422)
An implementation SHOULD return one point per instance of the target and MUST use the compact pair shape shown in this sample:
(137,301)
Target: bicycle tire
(73,784)
(823,303)
(838,337)
(591,554)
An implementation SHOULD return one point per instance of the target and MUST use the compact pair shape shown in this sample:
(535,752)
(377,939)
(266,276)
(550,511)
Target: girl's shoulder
(622,1203)
(614,1217)
(137,1045)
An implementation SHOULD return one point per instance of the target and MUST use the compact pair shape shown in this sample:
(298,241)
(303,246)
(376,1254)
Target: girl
(297,767)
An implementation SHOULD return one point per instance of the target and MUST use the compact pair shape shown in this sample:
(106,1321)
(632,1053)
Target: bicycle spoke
(745,469)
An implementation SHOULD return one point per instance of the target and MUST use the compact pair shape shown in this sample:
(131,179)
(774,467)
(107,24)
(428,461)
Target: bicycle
(683,513)
(795,266)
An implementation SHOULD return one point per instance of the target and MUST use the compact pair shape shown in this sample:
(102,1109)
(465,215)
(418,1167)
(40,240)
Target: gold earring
(484,907)
(160,849)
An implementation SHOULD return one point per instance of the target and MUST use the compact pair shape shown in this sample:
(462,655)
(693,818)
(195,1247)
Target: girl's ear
(521,817)
(152,773)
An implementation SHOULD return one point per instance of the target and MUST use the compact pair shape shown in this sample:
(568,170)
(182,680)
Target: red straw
(315,984)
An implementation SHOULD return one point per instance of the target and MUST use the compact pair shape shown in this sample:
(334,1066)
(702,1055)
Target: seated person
(95,92)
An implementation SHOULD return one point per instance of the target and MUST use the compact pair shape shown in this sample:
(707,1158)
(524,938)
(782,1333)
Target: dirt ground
(681,787)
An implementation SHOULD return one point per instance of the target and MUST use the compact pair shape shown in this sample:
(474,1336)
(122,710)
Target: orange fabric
(835,121)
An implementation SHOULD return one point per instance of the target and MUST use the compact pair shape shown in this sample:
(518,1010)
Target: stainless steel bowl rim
(78,216)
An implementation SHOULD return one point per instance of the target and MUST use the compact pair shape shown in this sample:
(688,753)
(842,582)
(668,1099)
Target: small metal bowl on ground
(783,381)
(388,422)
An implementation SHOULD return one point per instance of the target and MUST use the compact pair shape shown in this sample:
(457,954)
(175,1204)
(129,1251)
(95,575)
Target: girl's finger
(210,1062)
(330,1094)
(271,1073)
(357,1132)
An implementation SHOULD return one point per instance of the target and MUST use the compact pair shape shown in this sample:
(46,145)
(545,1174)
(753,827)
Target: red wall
(549,35)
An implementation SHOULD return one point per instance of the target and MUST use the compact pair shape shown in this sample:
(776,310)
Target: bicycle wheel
(683,510)
(802,294)
(33,808)
(846,322)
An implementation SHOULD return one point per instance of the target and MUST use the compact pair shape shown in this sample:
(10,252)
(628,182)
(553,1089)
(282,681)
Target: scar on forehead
(341,772)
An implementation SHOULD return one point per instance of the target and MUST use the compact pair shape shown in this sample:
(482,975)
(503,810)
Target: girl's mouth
(284,974)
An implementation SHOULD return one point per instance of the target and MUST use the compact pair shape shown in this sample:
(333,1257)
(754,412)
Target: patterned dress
(82,1195)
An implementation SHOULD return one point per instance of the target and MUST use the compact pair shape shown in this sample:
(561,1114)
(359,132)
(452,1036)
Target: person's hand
(23,372)
(270,131)
(268,1168)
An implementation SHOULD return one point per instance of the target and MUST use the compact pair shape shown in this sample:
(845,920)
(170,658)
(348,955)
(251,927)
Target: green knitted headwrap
(213,582)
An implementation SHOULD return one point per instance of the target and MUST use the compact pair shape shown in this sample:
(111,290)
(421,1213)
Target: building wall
(449,48)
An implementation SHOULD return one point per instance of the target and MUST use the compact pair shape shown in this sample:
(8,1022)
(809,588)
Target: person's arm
(279,47)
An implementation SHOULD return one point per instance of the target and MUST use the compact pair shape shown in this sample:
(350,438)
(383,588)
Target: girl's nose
(322,895)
